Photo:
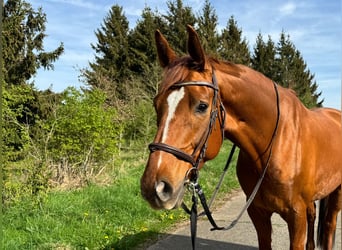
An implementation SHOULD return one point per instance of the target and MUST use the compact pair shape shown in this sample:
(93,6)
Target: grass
(101,217)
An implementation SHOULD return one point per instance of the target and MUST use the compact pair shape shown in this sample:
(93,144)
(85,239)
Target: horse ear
(195,48)
(165,54)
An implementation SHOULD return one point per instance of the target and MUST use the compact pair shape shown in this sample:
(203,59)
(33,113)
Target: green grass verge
(100,217)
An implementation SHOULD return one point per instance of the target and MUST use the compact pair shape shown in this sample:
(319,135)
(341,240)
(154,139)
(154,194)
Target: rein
(201,147)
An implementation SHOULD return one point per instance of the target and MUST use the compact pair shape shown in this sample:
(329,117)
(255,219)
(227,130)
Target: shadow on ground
(171,241)
(184,242)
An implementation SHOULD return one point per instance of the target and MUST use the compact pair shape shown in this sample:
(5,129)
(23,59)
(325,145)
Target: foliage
(15,115)
(84,130)
(293,72)
(284,64)
(22,41)
(233,47)
(177,17)
(263,58)
(81,137)
(142,125)
(26,172)
(102,217)
(207,23)
(27,179)
(112,58)
(141,40)
(23,36)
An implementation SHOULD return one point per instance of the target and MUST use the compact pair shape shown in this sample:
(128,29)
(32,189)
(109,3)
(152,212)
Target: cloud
(79,3)
(287,9)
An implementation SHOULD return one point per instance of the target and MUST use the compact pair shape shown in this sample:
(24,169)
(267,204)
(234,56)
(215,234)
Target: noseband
(202,146)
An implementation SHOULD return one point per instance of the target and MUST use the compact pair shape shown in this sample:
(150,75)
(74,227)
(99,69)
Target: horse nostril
(164,191)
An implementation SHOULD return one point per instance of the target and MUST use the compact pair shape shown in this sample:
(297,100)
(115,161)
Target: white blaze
(172,100)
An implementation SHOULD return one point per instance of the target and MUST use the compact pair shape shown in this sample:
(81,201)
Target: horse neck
(251,106)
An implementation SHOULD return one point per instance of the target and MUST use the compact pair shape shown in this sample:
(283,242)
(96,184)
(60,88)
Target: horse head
(190,119)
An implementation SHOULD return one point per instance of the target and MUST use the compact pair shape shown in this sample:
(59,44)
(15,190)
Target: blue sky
(314,28)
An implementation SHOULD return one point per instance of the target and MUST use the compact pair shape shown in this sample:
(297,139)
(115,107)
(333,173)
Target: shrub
(84,130)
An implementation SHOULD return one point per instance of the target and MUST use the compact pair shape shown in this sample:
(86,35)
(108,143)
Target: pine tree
(141,40)
(22,41)
(142,49)
(177,18)
(111,67)
(293,72)
(263,58)
(207,23)
(233,47)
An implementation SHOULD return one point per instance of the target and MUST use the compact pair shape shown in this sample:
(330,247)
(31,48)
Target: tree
(293,72)
(111,66)
(207,23)
(263,58)
(142,50)
(14,133)
(232,46)
(177,18)
(22,40)
(141,40)
(23,54)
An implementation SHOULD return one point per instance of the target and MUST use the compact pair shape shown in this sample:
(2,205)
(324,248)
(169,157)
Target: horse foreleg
(296,222)
(311,216)
(262,222)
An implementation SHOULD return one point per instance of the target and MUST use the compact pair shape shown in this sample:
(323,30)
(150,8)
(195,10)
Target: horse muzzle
(162,195)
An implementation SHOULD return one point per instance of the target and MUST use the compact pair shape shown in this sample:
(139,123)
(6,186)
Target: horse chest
(276,190)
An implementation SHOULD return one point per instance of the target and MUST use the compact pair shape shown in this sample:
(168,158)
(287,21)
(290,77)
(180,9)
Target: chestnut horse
(302,148)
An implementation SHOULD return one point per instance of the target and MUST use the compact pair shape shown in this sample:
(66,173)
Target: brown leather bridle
(202,145)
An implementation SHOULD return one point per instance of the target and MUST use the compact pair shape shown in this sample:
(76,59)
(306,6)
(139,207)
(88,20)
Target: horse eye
(202,107)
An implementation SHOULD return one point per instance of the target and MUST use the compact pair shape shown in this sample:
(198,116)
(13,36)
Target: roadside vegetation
(108,216)
(72,161)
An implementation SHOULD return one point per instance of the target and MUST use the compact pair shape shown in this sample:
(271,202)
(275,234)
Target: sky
(314,28)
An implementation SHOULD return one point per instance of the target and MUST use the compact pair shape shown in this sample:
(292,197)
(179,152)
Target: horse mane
(237,71)
(227,67)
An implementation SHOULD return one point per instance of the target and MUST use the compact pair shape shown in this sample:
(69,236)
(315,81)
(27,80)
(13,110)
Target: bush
(15,121)
(84,130)
(142,126)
